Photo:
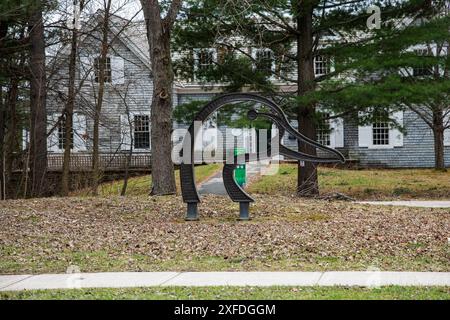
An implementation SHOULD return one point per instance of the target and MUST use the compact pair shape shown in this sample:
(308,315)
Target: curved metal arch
(283,123)
(236,193)
(187,173)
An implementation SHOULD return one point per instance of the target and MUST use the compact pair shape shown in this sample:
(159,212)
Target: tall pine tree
(405,66)
(271,46)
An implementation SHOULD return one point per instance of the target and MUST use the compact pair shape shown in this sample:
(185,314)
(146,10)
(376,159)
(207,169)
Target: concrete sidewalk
(151,279)
(411,203)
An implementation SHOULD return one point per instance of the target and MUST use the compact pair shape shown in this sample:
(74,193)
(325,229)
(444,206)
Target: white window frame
(134,131)
(255,52)
(365,134)
(422,52)
(61,131)
(326,131)
(416,49)
(327,62)
(336,127)
(79,126)
(87,69)
(126,135)
(381,125)
(108,72)
(197,53)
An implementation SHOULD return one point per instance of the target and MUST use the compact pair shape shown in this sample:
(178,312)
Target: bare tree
(100,93)
(158,34)
(12,126)
(68,115)
(96,79)
(2,135)
(130,151)
(3,32)
(38,132)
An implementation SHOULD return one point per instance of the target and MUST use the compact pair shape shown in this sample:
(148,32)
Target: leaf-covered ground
(237,293)
(140,186)
(150,234)
(374,184)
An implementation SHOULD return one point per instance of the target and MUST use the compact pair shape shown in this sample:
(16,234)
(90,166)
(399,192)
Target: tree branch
(171,16)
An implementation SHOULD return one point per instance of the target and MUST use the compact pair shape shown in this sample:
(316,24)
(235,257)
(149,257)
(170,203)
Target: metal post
(192,212)
(244,211)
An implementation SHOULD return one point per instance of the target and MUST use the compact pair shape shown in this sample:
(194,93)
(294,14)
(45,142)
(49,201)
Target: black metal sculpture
(236,193)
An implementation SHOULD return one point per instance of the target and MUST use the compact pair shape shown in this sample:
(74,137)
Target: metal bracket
(244,214)
(192,212)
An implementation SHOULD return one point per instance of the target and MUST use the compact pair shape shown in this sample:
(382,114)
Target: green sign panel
(240,174)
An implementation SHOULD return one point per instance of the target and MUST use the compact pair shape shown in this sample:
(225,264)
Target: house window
(380,129)
(321,65)
(205,59)
(323,130)
(141,132)
(222,54)
(422,70)
(264,60)
(107,68)
(62,135)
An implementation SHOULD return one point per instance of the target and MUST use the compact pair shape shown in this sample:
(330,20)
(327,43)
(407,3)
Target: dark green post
(240,173)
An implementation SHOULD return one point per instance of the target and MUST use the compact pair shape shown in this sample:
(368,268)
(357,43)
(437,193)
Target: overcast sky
(123,8)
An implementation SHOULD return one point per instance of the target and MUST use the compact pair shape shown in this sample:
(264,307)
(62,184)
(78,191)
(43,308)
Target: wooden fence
(108,161)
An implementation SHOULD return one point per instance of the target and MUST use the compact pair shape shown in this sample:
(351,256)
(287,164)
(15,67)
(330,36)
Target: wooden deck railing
(108,161)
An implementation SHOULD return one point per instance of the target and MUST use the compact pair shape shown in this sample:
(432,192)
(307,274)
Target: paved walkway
(411,203)
(151,279)
(214,185)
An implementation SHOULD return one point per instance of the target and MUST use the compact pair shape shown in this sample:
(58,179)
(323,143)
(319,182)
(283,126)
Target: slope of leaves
(149,233)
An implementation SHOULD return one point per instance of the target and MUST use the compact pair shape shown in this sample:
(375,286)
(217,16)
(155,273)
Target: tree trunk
(11,145)
(3,32)
(99,104)
(65,179)
(163,176)
(307,183)
(129,155)
(126,175)
(2,140)
(38,130)
(158,32)
(123,191)
(438,133)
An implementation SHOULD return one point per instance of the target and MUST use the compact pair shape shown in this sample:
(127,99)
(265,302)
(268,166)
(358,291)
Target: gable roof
(131,34)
